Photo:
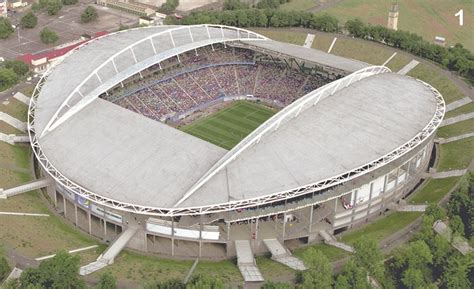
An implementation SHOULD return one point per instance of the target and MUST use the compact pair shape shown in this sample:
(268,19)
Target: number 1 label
(461,17)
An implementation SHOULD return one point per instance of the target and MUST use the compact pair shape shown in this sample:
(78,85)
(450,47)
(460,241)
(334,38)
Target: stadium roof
(309,54)
(130,159)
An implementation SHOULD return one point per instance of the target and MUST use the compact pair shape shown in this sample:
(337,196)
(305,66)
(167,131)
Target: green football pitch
(228,127)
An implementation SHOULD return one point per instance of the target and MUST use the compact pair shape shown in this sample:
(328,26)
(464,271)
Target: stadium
(207,140)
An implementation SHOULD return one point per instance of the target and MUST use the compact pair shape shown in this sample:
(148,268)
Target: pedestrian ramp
(246,262)
(407,68)
(331,240)
(308,43)
(38,184)
(282,255)
(109,255)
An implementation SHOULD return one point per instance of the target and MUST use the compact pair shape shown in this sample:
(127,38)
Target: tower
(393,17)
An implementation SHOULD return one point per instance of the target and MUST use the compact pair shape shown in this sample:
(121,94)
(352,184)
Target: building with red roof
(43,60)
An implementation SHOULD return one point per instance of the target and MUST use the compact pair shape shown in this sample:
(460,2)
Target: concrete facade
(295,221)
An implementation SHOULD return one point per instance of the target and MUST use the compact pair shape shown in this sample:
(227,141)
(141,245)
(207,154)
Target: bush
(53,7)
(29,20)
(107,281)
(5,28)
(4,267)
(169,6)
(69,2)
(89,14)
(19,67)
(48,36)
(8,78)
(455,58)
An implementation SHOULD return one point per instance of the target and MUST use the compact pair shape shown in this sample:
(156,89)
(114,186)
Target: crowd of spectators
(184,82)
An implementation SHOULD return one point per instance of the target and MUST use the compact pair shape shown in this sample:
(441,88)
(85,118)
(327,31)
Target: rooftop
(126,157)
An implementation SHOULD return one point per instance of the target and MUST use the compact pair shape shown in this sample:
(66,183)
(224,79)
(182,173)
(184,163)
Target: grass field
(433,191)
(229,126)
(283,35)
(460,110)
(456,155)
(428,18)
(331,252)
(382,228)
(459,128)
(448,89)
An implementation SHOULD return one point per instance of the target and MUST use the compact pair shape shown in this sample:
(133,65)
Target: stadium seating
(180,84)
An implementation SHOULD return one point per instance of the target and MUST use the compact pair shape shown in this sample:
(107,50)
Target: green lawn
(322,41)
(448,89)
(456,155)
(428,18)
(229,126)
(456,129)
(298,5)
(398,62)
(272,270)
(433,191)
(382,228)
(283,35)
(460,110)
(361,50)
(331,252)
(15,108)
(137,268)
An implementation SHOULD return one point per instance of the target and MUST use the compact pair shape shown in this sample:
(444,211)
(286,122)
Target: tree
(48,36)
(29,20)
(319,273)
(53,7)
(234,5)
(169,6)
(456,225)
(61,271)
(69,2)
(456,274)
(342,282)
(5,28)
(4,267)
(368,256)
(89,14)
(204,282)
(8,78)
(276,285)
(107,281)
(413,278)
(19,67)
(435,211)
(354,275)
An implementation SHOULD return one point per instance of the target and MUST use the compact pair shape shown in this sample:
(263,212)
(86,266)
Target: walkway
(282,255)
(23,98)
(19,125)
(38,184)
(308,43)
(12,138)
(411,208)
(456,119)
(331,240)
(448,174)
(407,68)
(23,214)
(109,255)
(246,262)
(389,59)
(455,138)
(458,103)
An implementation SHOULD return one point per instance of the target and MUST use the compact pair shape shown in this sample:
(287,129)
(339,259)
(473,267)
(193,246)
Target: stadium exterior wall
(212,236)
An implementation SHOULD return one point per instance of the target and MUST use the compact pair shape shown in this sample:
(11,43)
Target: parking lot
(66,24)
